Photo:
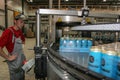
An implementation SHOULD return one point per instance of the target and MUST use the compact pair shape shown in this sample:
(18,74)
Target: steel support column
(6,14)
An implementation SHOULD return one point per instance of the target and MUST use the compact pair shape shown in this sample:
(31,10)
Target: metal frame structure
(99,27)
(38,47)
(66,13)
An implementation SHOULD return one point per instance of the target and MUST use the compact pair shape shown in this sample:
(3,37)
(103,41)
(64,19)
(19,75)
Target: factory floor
(4,74)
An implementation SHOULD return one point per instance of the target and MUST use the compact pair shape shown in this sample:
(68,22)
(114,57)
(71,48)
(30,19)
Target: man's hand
(12,57)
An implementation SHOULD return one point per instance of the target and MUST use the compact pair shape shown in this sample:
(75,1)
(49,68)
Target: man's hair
(20,16)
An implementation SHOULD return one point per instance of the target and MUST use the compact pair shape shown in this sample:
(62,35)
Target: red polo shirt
(6,38)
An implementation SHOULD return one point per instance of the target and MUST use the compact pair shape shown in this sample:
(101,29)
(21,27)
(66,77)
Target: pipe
(50,19)
(59,2)
(117,33)
(84,3)
(22,6)
(38,30)
(50,3)
(6,14)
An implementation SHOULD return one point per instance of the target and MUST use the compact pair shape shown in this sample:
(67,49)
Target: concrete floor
(4,74)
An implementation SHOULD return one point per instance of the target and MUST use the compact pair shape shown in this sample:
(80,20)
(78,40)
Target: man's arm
(5,56)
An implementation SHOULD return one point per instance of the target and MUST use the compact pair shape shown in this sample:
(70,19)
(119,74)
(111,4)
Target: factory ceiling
(75,2)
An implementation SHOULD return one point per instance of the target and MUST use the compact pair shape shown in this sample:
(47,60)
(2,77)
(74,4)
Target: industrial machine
(48,61)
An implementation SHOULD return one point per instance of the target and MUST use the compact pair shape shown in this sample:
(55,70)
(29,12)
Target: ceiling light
(30,0)
(104,0)
(66,0)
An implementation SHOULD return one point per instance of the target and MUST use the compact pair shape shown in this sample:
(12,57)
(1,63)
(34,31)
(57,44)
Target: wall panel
(2,20)
(2,3)
(10,18)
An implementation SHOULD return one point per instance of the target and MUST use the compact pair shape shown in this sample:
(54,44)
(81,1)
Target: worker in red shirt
(12,38)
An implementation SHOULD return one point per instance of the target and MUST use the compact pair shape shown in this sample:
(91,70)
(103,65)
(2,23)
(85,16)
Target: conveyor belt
(76,71)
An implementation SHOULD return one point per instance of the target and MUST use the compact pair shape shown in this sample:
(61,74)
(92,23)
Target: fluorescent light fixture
(104,0)
(67,18)
(66,0)
(30,0)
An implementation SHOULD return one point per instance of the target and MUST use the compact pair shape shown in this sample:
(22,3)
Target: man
(12,38)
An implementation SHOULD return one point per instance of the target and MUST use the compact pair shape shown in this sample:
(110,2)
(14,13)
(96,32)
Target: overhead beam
(98,27)
(72,2)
